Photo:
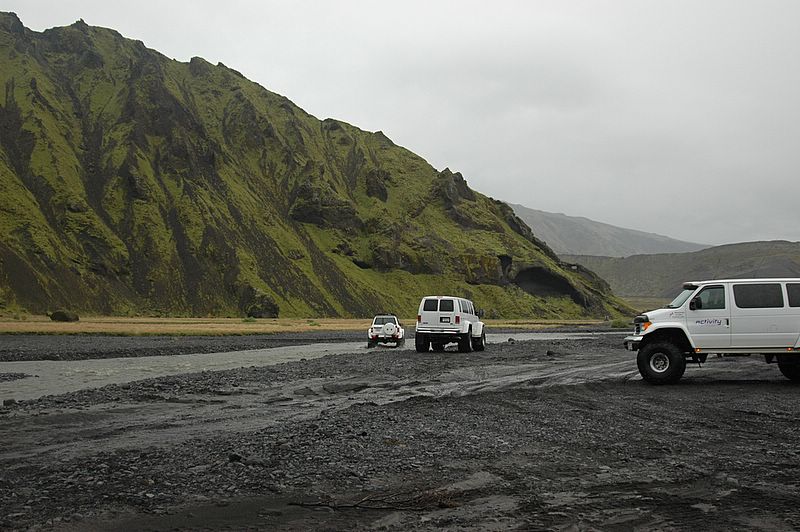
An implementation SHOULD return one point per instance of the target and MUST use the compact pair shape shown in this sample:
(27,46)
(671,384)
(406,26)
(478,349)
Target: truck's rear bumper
(631,343)
(439,330)
(441,335)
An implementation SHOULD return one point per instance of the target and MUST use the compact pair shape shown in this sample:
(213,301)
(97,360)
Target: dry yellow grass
(175,326)
(224,326)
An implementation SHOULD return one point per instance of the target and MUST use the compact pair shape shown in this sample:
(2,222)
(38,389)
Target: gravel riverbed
(557,434)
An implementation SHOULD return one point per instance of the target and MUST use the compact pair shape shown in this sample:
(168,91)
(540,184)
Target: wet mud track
(531,435)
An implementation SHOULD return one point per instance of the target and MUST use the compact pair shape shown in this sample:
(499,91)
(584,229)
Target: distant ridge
(661,275)
(574,235)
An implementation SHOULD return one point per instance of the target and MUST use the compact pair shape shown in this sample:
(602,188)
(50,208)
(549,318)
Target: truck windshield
(681,299)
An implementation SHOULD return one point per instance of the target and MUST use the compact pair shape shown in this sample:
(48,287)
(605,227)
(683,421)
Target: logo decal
(708,321)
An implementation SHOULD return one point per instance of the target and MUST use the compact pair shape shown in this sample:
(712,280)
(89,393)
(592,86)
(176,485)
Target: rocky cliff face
(132,183)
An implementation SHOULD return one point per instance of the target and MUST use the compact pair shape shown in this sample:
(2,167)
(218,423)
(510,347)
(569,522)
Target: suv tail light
(458,319)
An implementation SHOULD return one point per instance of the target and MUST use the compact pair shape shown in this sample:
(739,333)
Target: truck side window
(713,298)
(793,291)
(758,295)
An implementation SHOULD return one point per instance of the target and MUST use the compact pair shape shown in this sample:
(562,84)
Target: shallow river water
(52,377)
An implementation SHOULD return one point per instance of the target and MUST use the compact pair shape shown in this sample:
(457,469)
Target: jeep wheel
(465,342)
(371,344)
(438,346)
(790,367)
(421,343)
(479,344)
(401,342)
(661,363)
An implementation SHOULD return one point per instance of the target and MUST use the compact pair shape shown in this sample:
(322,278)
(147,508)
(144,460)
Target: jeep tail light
(458,319)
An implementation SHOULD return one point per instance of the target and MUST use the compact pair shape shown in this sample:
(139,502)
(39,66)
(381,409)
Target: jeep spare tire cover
(388,329)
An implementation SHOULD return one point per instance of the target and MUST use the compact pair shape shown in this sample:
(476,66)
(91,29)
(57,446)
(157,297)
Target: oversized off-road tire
(790,367)
(479,343)
(437,346)
(661,363)
(401,342)
(371,344)
(465,342)
(421,343)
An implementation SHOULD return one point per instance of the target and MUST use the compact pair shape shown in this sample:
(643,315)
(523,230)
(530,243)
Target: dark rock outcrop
(257,304)
(64,315)
(376,181)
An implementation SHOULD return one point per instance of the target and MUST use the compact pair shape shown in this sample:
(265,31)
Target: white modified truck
(722,317)
(442,320)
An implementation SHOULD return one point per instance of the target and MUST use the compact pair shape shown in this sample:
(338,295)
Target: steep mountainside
(132,183)
(573,235)
(662,275)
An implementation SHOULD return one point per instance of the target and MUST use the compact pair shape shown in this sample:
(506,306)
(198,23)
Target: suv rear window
(446,305)
(758,295)
(430,305)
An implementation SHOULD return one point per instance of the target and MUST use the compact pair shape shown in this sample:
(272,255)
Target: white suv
(446,319)
(386,329)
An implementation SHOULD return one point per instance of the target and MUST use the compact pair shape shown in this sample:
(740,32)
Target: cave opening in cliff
(543,283)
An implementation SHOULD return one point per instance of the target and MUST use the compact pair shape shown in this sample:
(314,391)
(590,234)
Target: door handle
(727,322)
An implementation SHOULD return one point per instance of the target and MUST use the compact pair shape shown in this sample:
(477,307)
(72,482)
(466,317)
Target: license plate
(445,319)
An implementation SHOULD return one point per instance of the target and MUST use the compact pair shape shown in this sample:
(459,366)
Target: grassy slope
(662,275)
(137,184)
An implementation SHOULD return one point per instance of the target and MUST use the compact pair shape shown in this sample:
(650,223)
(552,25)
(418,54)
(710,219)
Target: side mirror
(695,304)
(479,313)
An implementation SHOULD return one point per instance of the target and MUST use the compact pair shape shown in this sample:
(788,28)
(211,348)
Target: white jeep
(386,329)
(446,319)
(727,317)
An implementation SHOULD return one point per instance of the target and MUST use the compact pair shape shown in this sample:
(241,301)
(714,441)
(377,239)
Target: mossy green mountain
(131,183)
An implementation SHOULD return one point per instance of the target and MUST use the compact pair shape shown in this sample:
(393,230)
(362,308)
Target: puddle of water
(57,377)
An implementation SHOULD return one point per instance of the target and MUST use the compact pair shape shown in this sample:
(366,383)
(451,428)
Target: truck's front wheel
(790,367)
(661,363)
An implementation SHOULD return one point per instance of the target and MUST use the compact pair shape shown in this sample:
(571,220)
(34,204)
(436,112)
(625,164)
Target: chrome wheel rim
(659,362)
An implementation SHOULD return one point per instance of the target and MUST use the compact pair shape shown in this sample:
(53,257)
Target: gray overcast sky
(675,117)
